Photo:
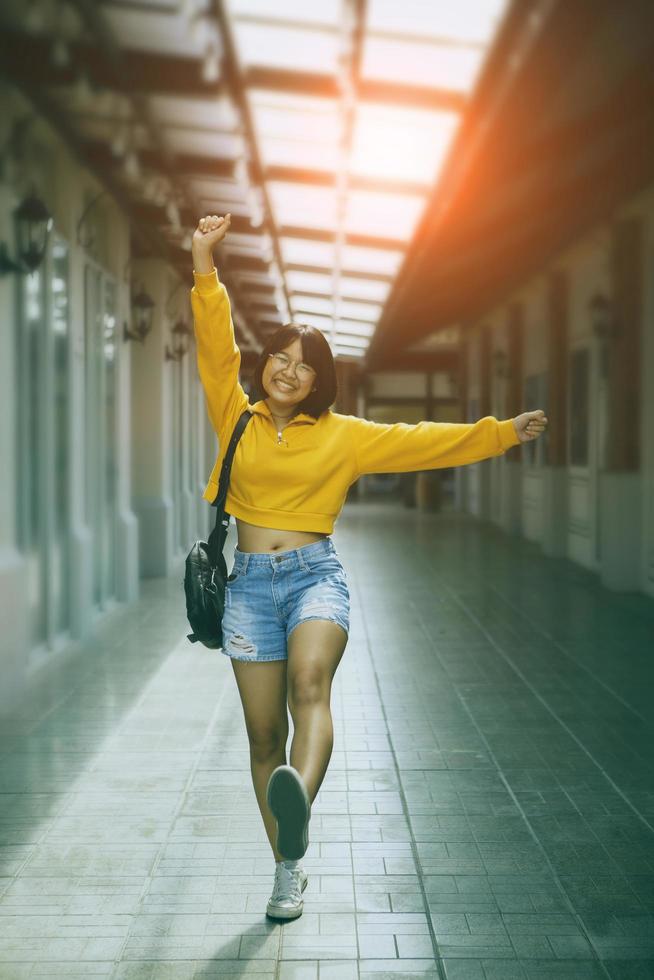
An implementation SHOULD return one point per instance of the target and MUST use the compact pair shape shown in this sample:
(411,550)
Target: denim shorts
(268,594)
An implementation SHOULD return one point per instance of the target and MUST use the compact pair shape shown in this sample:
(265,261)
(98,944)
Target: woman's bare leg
(315,648)
(262,687)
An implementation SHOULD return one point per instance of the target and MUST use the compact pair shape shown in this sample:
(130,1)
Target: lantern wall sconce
(142,312)
(501,364)
(33,223)
(603,321)
(181,334)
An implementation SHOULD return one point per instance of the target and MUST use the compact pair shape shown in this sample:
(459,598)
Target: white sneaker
(286,900)
(289,803)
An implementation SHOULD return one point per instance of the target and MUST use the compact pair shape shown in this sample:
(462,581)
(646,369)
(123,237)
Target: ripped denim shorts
(268,594)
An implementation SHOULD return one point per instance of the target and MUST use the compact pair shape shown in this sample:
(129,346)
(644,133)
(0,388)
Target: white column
(13,584)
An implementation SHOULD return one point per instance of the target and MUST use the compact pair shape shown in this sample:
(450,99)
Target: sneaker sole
(281,913)
(289,803)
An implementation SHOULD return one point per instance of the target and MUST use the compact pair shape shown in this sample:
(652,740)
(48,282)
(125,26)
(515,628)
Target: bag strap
(222,519)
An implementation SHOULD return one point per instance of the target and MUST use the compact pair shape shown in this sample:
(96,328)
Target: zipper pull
(279,438)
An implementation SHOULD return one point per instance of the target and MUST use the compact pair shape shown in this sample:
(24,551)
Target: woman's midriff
(253,538)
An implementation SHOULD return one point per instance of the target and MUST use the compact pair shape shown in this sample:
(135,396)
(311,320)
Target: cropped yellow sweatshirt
(300,483)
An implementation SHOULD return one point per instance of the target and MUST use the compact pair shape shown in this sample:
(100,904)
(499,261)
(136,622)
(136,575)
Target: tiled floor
(487,815)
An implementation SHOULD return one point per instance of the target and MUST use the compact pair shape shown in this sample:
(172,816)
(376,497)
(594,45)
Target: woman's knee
(308,690)
(267,741)
(263,694)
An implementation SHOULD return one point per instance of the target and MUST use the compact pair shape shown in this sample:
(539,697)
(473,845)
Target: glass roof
(425,63)
(310,282)
(400,144)
(295,49)
(348,169)
(302,205)
(474,21)
(378,261)
(392,216)
(303,251)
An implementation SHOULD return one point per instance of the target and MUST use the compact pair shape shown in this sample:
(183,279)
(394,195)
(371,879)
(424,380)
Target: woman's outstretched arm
(401,448)
(219,358)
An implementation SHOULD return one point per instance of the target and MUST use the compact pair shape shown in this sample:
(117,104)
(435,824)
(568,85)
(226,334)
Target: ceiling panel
(155,30)
(323,323)
(399,143)
(205,143)
(310,282)
(473,21)
(312,304)
(303,251)
(424,63)
(229,193)
(302,206)
(364,288)
(392,216)
(355,328)
(360,311)
(303,154)
(216,113)
(285,47)
(377,261)
(350,340)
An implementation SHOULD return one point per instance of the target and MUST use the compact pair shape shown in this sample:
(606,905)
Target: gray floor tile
(487,813)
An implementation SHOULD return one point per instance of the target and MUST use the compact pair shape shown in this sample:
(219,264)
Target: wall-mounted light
(181,342)
(33,224)
(142,311)
(603,321)
(501,364)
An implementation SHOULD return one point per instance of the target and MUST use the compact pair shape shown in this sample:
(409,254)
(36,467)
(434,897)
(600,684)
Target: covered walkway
(487,814)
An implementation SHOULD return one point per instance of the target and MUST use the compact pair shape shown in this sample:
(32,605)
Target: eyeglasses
(303,371)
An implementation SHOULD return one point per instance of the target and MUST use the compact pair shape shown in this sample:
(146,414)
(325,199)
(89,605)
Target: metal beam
(324,235)
(366,90)
(324,270)
(324,178)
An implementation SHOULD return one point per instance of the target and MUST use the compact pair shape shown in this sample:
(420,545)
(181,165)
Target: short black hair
(316,352)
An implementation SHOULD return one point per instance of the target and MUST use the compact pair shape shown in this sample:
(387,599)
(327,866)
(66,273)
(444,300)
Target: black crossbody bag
(206,570)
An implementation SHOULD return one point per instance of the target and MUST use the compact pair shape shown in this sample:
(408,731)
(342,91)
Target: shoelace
(287,884)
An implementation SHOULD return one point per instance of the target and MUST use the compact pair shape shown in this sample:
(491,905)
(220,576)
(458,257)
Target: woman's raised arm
(219,358)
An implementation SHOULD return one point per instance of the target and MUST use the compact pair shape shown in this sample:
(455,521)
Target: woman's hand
(210,231)
(530,425)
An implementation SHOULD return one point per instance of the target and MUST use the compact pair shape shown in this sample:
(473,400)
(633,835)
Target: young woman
(287,604)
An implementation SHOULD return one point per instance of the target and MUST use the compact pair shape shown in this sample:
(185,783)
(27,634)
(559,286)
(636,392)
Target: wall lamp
(33,224)
(181,335)
(142,311)
(603,321)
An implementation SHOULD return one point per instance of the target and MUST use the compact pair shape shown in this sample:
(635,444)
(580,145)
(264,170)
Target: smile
(283,385)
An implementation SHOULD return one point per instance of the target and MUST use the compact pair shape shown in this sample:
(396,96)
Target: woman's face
(287,379)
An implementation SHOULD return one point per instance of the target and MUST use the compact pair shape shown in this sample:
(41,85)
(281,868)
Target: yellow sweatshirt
(300,483)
